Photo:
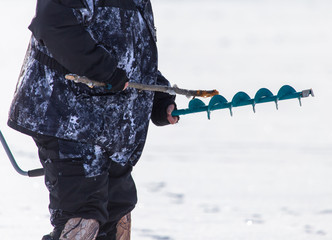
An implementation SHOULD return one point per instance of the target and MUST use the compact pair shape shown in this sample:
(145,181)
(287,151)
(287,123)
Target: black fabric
(160,104)
(106,197)
(49,62)
(125,4)
(54,235)
(70,44)
(72,3)
(116,82)
(47,237)
(159,110)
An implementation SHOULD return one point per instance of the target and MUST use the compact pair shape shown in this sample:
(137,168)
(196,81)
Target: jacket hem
(24,130)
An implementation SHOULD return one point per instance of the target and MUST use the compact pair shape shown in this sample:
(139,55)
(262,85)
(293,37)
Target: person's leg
(122,200)
(76,176)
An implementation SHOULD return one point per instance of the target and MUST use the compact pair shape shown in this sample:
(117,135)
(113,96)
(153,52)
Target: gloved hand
(118,80)
(162,109)
(170,118)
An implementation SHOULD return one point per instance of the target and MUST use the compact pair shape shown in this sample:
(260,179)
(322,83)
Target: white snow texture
(263,176)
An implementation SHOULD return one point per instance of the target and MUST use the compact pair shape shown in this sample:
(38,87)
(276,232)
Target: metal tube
(30,173)
(11,157)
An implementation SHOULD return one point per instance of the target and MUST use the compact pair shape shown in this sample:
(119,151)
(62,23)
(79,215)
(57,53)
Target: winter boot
(80,228)
(54,235)
(75,228)
(123,228)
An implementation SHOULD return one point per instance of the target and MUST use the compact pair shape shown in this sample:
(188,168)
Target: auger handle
(31,173)
(36,172)
(154,88)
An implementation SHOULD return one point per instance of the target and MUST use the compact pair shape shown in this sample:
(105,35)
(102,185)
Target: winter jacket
(92,38)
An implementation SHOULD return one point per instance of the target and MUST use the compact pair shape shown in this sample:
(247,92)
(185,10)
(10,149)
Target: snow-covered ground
(251,176)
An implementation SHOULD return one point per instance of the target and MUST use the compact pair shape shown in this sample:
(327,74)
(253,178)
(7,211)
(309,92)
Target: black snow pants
(83,182)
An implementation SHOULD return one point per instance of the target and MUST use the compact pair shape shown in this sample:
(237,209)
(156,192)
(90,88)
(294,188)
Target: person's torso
(48,104)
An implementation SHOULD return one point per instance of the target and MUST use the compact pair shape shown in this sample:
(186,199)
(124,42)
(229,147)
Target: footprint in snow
(208,208)
(311,230)
(156,186)
(327,211)
(254,219)
(151,235)
(177,198)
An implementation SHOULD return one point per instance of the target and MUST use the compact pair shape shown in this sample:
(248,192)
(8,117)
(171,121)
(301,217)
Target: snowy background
(251,176)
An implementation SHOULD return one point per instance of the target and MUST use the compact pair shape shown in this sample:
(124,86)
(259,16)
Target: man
(90,138)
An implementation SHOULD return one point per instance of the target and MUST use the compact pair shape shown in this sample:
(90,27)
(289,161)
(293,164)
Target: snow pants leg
(83,182)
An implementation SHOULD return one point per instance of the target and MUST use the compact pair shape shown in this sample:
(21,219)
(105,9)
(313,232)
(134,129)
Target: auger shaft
(264,95)
(155,88)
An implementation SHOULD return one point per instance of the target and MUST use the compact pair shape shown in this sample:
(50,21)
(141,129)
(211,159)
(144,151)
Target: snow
(251,176)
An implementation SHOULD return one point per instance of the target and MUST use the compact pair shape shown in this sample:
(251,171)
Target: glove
(117,81)
(161,103)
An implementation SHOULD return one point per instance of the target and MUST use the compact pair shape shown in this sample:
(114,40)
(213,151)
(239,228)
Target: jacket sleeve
(161,102)
(56,26)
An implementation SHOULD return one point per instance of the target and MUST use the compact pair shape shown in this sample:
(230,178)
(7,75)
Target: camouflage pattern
(80,229)
(46,103)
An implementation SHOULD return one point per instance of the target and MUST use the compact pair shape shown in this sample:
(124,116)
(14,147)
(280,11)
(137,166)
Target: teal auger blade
(263,95)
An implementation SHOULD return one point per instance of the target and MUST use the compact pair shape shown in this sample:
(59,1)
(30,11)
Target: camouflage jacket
(91,38)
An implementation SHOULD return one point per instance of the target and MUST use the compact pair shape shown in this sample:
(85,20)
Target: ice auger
(217,101)
(263,95)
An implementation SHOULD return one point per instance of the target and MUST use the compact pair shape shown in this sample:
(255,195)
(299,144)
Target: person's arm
(163,105)
(56,26)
